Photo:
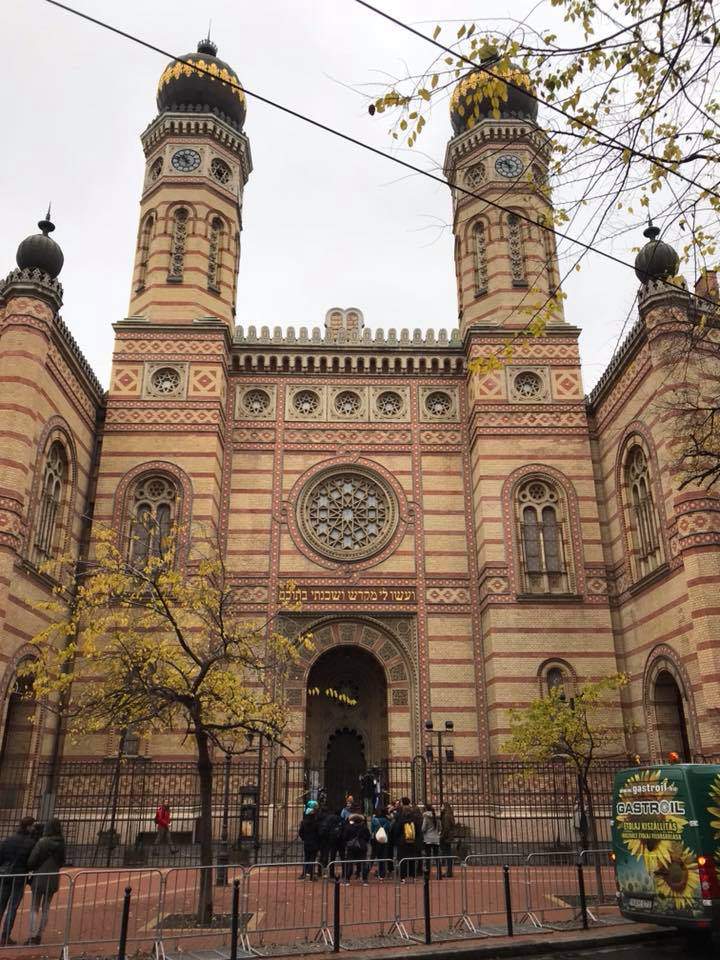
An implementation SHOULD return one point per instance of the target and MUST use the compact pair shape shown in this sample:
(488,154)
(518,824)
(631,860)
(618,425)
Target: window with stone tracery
(347,403)
(177,245)
(389,404)
(642,517)
(544,566)
(144,249)
(516,250)
(152,514)
(214,254)
(53,494)
(480,259)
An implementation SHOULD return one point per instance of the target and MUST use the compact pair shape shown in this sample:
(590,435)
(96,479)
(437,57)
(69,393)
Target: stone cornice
(76,358)
(349,340)
(627,350)
(32,283)
(182,124)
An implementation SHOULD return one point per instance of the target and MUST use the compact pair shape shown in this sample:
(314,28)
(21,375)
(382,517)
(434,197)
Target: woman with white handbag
(379,837)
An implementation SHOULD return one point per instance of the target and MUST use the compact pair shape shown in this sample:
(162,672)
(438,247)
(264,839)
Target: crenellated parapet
(317,337)
(32,282)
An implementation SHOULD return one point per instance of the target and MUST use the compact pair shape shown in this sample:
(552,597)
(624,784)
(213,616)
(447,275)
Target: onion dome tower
(497,162)
(40,251)
(657,260)
(197,162)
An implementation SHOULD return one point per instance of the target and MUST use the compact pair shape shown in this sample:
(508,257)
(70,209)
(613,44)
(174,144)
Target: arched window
(53,491)
(641,509)
(215,254)
(17,743)
(542,538)
(480,259)
(554,678)
(144,249)
(152,514)
(177,245)
(516,250)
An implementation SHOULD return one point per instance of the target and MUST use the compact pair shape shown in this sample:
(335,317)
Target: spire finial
(46,225)
(651,231)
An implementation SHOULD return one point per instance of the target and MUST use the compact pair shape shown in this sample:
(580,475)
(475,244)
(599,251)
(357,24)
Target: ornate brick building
(459,541)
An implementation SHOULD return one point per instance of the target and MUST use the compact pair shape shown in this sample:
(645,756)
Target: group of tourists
(32,856)
(401,836)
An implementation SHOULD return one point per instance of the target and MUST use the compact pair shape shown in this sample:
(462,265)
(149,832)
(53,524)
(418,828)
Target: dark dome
(182,87)
(657,260)
(468,106)
(40,252)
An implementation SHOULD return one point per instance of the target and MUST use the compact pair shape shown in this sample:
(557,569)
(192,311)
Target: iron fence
(107,807)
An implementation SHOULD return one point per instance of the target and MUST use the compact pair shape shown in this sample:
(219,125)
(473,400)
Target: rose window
(475,175)
(347,403)
(347,514)
(306,402)
(165,381)
(538,492)
(528,385)
(438,403)
(219,170)
(256,402)
(389,403)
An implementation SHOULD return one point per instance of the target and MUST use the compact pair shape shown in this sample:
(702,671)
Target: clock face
(186,160)
(509,166)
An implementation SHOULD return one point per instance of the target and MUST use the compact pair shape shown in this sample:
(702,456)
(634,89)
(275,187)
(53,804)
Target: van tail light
(709,882)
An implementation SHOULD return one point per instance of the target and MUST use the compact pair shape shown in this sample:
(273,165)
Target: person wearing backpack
(330,831)
(380,828)
(356,837)
(45,860)
(407,835)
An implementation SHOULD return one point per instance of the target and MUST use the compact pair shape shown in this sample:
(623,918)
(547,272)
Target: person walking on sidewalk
(14,853)
(309,833)
(447,835)
(163,837)
(46,859)
(379,842)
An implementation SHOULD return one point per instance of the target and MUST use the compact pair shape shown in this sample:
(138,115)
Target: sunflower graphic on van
(649,818)
(678,879)
(714,807)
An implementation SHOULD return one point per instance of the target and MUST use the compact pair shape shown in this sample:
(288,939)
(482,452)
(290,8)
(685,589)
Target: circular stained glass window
(438,403)
(347,514)
(306,402)
(347,403)
(165,381)
(528,385)
(219,170)
(256,402)
(389,403)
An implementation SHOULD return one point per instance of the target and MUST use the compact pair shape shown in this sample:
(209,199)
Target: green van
(666,844)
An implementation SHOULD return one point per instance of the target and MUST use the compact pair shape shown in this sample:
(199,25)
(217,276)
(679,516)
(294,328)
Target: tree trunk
(205,887)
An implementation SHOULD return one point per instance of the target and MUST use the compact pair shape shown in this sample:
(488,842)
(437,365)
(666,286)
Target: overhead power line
(368,147)
(484,67)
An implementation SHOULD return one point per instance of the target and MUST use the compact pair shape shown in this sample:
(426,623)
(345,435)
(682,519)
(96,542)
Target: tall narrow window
(236,270)
(15,755)
(177,245)
(554,678)
(541,535)
(151,519)
(144,250)
(50,507)
(646,541)
(480,259)
(516,251)
(550,261)
(214,254)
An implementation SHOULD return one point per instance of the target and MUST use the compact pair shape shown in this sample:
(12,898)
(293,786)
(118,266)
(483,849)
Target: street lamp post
(224,854)
(449,750)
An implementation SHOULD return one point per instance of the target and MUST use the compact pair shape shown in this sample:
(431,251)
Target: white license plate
(639,903)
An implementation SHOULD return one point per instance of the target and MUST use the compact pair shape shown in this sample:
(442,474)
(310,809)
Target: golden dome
(201,81)
(503,92)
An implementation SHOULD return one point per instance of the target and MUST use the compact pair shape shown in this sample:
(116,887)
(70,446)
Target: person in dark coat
(407,831)
(45,860)
(330,830)
(356,837)
(14,853)
(447,835)
(309,833)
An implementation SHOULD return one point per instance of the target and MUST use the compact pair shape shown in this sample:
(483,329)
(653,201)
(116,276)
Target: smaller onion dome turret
(657,260)
(471,99)
(40,252)
(200,81)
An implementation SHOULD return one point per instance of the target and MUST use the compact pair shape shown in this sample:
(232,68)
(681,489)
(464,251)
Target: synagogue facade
(460,538)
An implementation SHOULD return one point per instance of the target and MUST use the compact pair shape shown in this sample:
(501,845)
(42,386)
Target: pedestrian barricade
(94,910)
(486,904)
(24,911)
(551,890)
(195,910)
(282,907)
(367,902)
(446,908)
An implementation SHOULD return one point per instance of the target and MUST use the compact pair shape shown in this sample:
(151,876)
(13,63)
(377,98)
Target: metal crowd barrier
(274,906)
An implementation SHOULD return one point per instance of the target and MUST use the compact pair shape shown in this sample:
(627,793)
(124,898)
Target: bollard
(336,916)
(508,900)
(426,904)
(583,899)
(122,943)
(235,920)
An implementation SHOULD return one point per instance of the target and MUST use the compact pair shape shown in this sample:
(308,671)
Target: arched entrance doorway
(670,716)
(344,740)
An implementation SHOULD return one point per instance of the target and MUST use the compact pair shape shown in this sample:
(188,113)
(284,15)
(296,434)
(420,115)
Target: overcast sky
(325,224)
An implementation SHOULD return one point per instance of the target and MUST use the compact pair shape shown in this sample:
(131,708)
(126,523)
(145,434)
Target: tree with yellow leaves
(159,646)
(573,728)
